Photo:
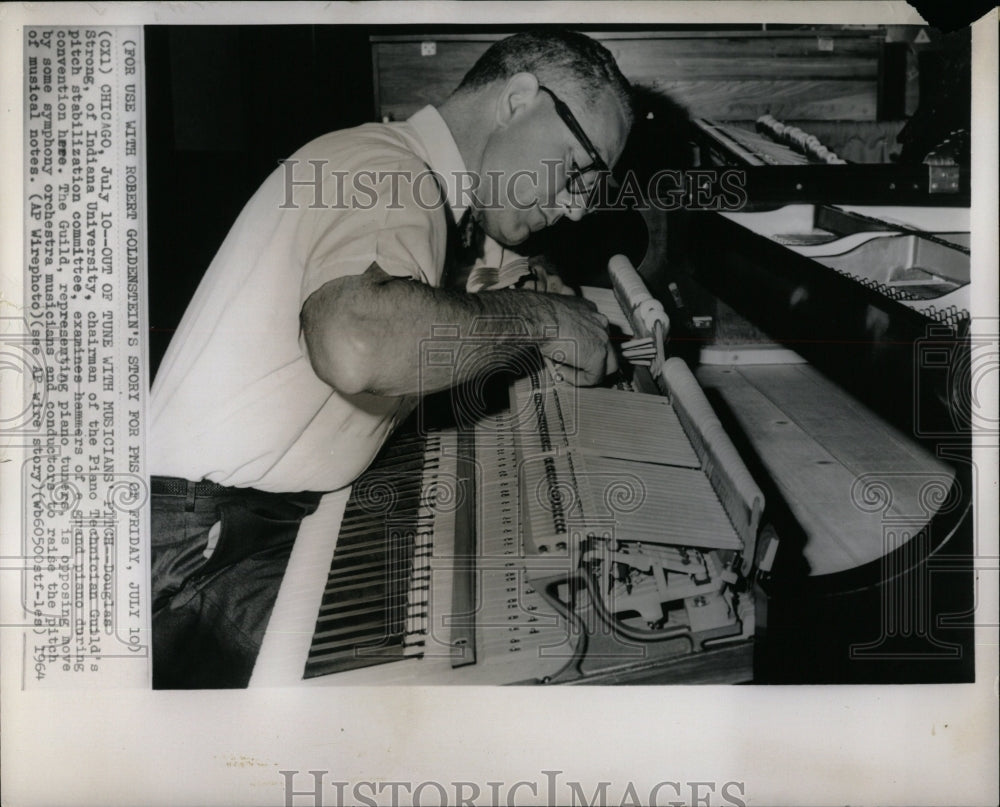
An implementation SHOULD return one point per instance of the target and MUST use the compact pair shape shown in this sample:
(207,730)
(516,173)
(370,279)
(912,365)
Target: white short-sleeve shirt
(236,400)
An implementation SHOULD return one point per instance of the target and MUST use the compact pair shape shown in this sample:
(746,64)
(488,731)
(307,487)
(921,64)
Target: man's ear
(517,95)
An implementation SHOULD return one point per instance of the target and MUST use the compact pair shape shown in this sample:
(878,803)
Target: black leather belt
(175,486)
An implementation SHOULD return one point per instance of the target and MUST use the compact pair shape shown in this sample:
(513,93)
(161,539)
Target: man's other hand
(583,328)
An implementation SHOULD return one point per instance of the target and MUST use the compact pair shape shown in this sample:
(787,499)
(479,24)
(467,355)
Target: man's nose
(552,214)
(567,204)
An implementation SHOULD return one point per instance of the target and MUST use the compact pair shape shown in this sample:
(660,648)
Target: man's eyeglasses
(576,182)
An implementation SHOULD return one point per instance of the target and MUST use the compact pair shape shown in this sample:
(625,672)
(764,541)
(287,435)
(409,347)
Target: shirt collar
(443,155)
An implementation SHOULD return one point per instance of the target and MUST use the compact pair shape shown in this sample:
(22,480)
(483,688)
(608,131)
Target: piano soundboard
(578,536)
(918,257)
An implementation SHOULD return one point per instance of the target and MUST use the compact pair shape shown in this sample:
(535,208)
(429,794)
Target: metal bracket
(942,179)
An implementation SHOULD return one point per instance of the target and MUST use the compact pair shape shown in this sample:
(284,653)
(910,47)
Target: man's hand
(580,325)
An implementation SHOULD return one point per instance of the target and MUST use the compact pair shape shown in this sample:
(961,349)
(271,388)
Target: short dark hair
(563,60)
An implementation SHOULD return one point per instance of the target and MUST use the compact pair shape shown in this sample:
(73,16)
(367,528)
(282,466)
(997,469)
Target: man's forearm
(364,333)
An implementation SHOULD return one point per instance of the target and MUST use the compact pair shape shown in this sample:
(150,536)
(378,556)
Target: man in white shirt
(300,352)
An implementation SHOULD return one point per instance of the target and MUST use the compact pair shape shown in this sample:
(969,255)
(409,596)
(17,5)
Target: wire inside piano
(569,535)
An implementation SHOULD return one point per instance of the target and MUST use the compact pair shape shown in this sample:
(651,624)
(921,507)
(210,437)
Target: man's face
(529,156)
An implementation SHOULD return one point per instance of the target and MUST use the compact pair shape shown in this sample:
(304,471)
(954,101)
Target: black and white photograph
(777,222)
(365,358)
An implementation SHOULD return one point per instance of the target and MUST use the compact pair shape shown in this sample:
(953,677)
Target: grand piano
(778,490)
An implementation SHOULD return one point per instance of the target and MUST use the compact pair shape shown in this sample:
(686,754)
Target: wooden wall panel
(751,98)
(722,76)
(407,81)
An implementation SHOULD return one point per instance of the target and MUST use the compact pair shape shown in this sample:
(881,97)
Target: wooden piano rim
(948,525)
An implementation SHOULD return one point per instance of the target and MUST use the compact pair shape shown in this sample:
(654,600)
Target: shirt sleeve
(390,212)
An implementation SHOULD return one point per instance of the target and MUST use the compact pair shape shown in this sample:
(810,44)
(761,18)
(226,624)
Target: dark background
(223,105)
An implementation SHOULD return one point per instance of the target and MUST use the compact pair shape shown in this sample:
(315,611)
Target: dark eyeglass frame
(574,176)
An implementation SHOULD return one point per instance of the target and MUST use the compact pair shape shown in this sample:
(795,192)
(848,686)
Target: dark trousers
(209,616)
